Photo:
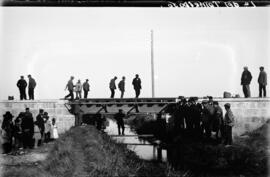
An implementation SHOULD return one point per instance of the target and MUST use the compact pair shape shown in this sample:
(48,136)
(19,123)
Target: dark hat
(29,75)
(8,114)
(261,67)
(228,105)
(215,102)
(204,101)
(191,99)
(87,80)
(21,114)
(181,97)
(210,97)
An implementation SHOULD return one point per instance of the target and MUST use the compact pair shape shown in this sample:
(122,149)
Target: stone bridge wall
(250,113)
(55,108)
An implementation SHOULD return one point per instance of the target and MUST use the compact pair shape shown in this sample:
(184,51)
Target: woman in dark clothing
(18,131)
(7,132)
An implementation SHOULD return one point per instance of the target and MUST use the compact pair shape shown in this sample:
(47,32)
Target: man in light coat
(228,124)
(262,80)
(78,89)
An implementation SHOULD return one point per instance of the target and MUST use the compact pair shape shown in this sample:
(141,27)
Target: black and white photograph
(134,88)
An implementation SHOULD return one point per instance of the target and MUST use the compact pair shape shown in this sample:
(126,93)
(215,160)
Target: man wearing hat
(112,86)
(22,84)
(7,128)
(218,121)
(228,124)
(31,86)
(121,86)
(86,88)
(70,86)
(245,81)
(137,85)
(262,80)
(120,122)
(27,128)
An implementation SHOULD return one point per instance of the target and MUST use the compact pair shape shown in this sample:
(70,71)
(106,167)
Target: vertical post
(152,64)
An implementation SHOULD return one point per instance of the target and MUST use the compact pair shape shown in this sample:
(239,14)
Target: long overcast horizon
(197,52)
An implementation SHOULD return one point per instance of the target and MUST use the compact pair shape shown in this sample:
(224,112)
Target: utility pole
(152,64)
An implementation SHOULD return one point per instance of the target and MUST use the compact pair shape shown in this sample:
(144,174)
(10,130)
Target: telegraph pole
(152,64)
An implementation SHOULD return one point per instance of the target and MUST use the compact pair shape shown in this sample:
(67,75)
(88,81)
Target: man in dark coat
(112,86)
(31,86)
(245,81)
(86,88)
(218,121)
(40,119)
(119,117)
(7,132)
(70,87)
(262,80)
(27,129)
(22,84)
(206,128)
(121,86)
(137,85)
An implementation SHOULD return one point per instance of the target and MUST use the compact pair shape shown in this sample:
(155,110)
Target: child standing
(37,134)
(18,132)
(47,129)
(54,131)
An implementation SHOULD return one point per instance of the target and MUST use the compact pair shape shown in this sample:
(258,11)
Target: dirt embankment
(82,152)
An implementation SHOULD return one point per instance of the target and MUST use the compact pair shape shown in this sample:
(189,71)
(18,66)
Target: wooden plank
(131,135)
(137,144)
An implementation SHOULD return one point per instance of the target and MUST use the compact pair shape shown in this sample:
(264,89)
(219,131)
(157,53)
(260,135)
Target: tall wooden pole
(152,64)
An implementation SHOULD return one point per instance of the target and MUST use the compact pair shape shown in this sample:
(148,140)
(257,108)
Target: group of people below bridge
(23,132)
(78,87)
(203,119)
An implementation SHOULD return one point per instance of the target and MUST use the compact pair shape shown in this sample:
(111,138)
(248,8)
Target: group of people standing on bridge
(23,132)
(246,80)
(203,119)
(22,84)
(78,87)
(136,82)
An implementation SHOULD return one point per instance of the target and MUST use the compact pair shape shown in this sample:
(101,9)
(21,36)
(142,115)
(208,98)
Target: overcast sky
(197,52)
